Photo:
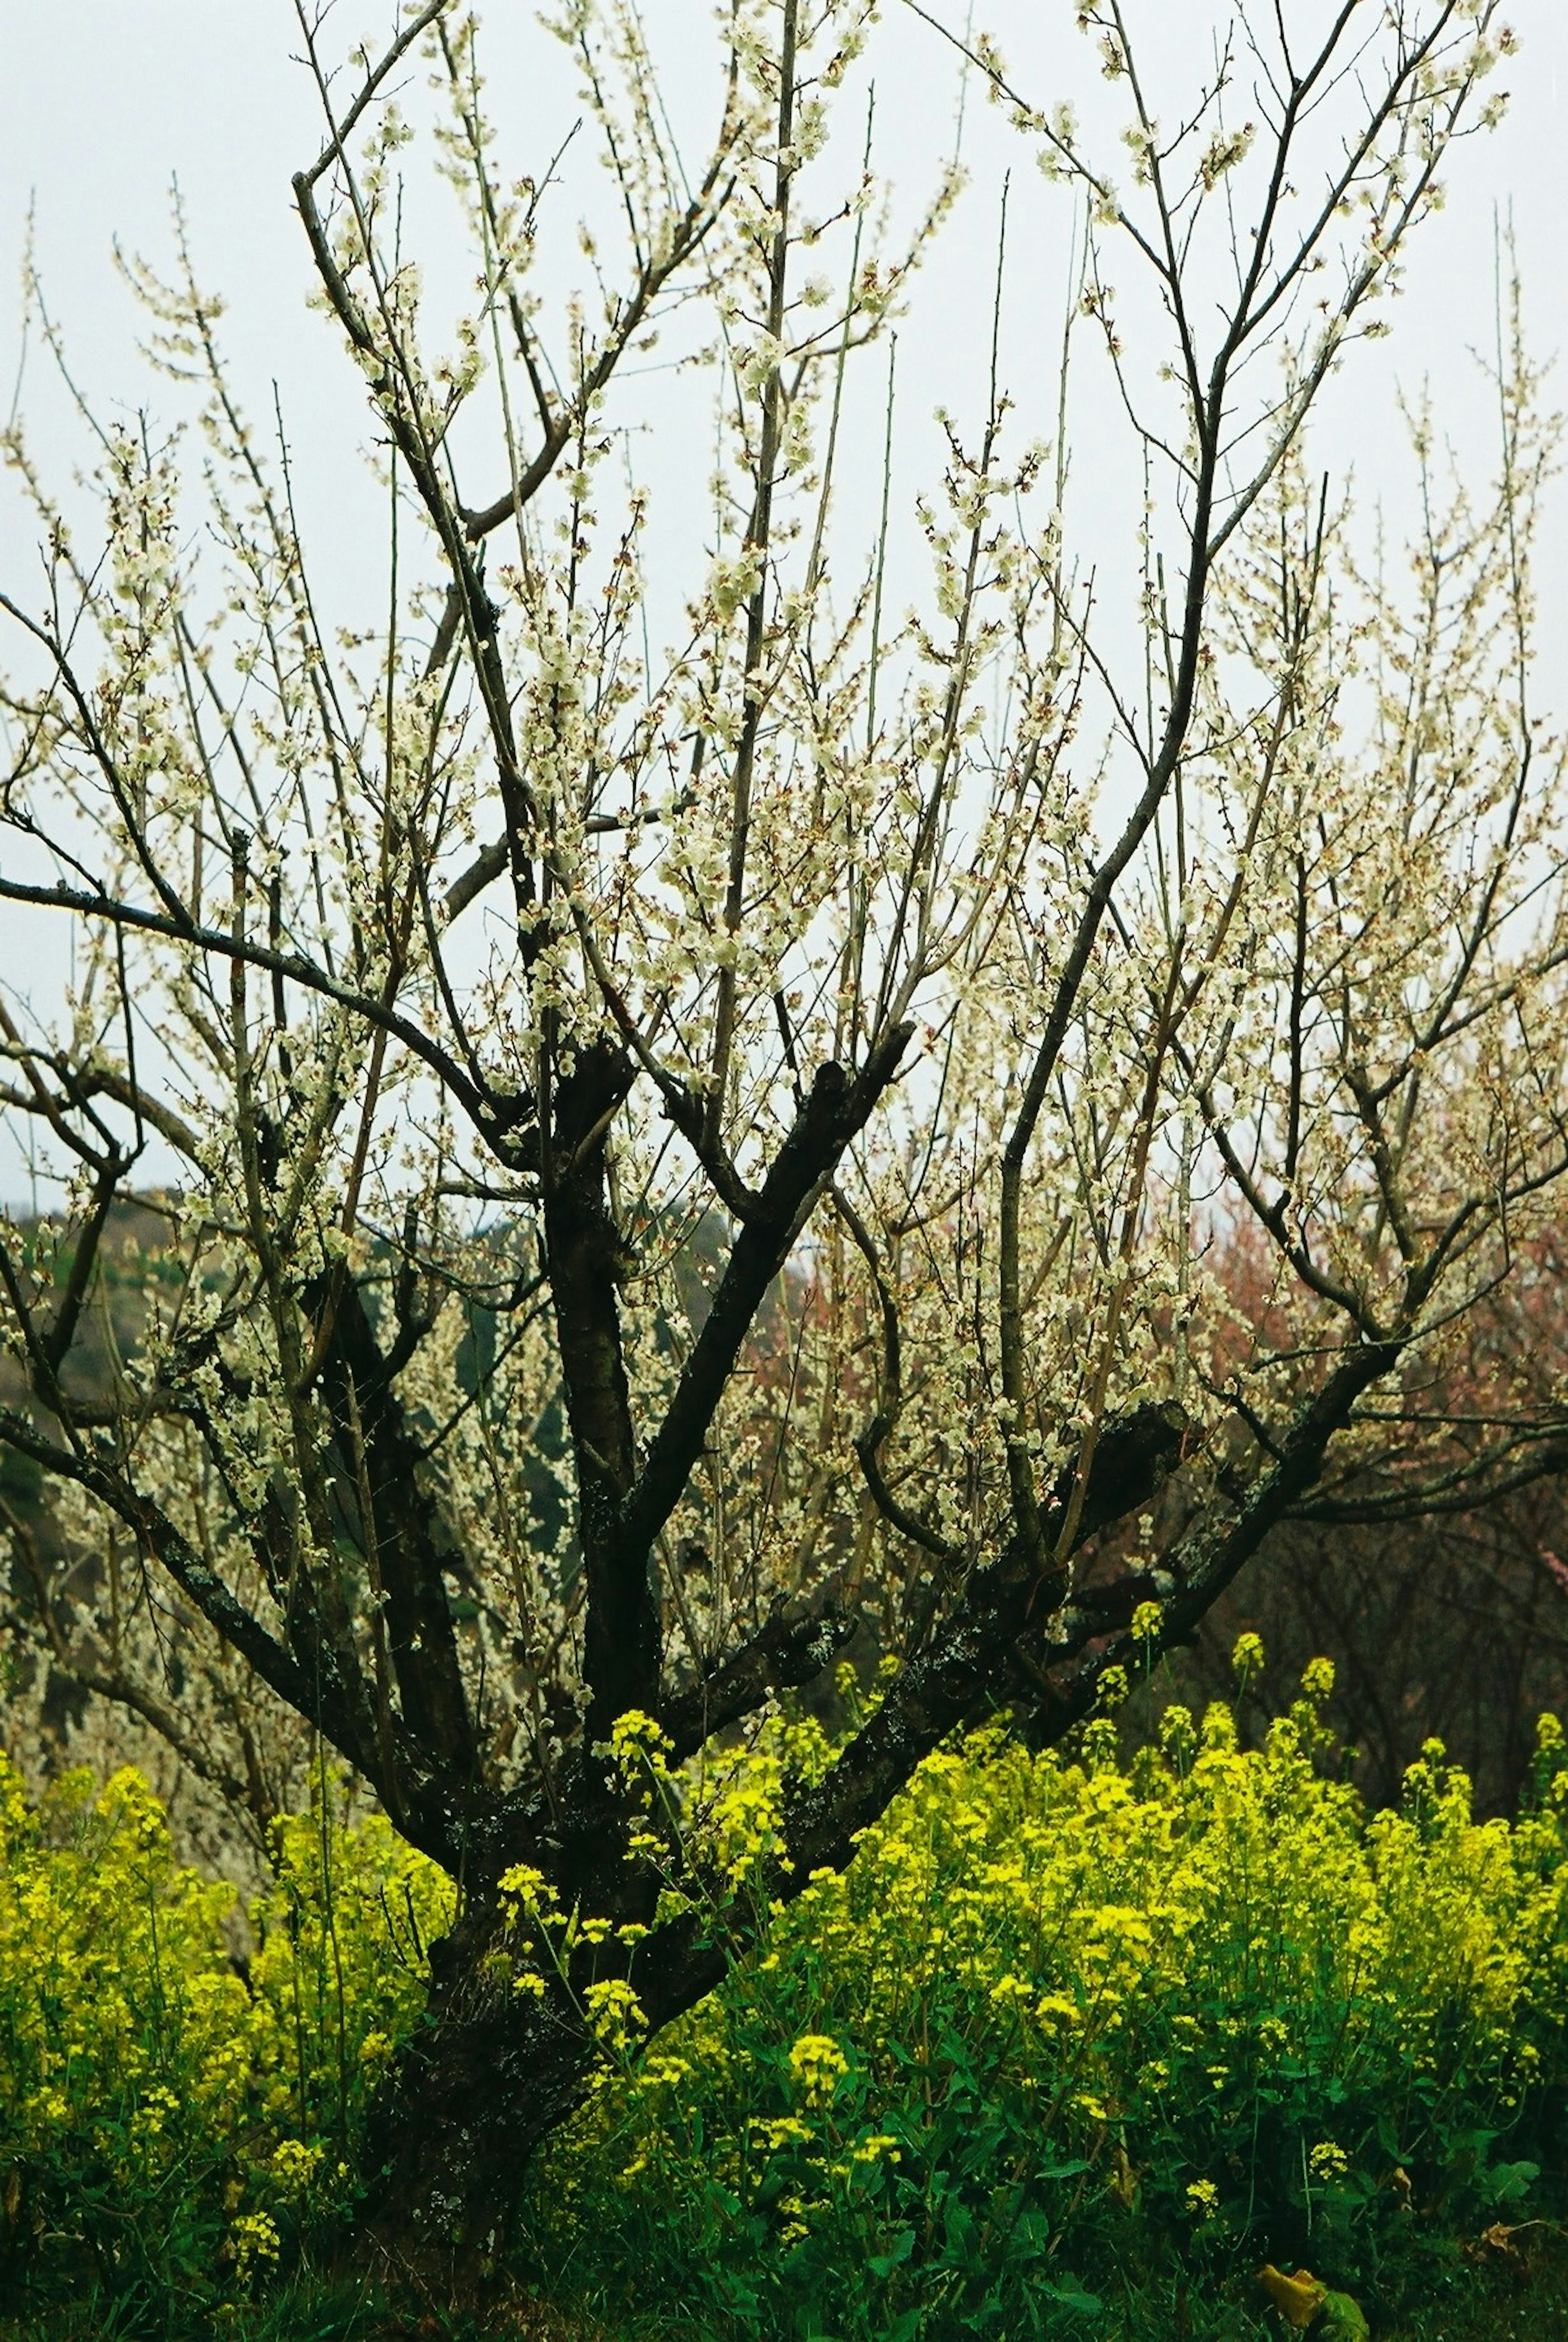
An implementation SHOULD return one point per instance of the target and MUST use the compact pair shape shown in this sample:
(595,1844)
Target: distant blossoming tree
(697,1116)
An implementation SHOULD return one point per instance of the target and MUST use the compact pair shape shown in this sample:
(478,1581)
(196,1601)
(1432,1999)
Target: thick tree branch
(407,1533)
(835,1110)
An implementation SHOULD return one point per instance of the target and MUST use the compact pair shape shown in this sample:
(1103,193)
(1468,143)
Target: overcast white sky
(105,101)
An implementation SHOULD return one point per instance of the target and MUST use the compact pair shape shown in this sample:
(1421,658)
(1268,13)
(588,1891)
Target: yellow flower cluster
(818,2065)
(146,2080)
(1132,1981)
(1171,1968)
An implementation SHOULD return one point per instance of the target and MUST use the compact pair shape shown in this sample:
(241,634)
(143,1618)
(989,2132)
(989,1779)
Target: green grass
(1501,2298)
(1501,2301)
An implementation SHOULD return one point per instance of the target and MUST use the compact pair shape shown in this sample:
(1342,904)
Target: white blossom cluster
(1234,989)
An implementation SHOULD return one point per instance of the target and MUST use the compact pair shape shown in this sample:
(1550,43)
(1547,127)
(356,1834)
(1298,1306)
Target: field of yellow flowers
(1077,2043)
(168,2116)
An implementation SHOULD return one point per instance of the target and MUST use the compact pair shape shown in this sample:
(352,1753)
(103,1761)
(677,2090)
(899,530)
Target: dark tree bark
(492,2074)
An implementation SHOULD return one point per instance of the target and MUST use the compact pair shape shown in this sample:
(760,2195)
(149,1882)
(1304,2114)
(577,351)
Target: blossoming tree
(676,1154)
